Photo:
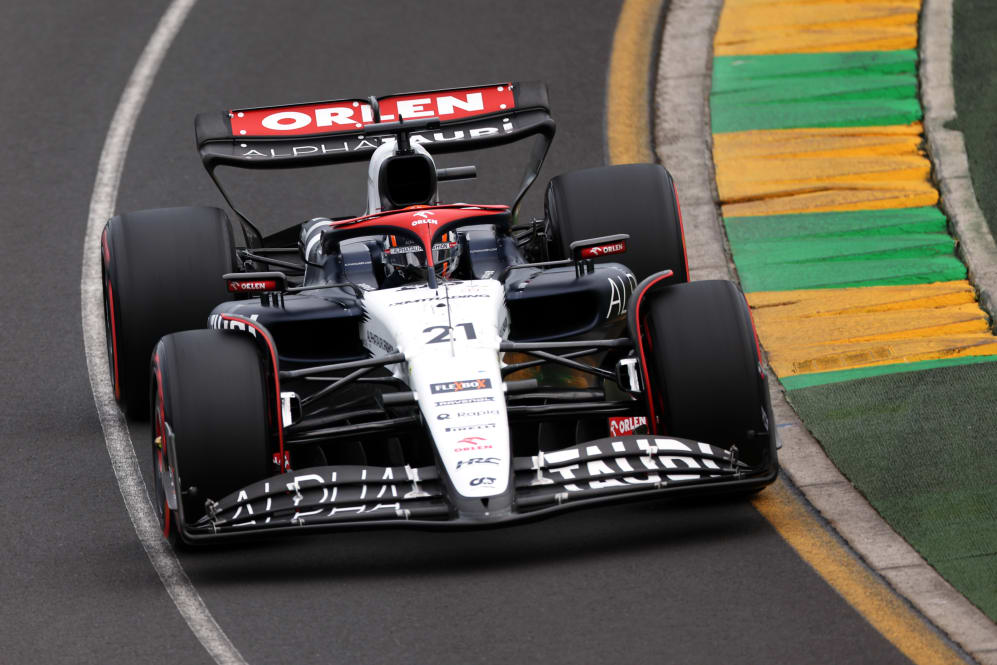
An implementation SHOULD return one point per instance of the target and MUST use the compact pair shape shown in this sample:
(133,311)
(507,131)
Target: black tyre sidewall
(636,199)
(214,392)
(704,365)
(164,271)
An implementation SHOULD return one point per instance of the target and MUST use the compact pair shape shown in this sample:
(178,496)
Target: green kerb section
(838,376)
(921,447)
(843,249)
(919,439)
(814,90)
(974,68)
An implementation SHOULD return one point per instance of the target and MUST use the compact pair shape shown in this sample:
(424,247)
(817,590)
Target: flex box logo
(351,115)
(460,386)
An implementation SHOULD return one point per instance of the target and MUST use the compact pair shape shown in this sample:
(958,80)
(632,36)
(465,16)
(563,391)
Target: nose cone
(450,337)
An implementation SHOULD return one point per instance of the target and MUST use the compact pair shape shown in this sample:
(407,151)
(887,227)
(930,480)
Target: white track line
(119,443)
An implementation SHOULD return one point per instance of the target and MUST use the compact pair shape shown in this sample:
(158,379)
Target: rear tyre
(706,378)
(161,273)
(209,387)
(637,199)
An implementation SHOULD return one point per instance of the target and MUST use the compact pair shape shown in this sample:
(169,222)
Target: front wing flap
(359,496)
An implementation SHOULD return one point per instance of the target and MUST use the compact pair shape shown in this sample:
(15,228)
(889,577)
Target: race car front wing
(598,471)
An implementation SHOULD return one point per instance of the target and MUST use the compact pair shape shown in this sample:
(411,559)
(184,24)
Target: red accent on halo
(685,254)
(276,380)
(652,419)
(422,220)
(114,341)
(444,213)
(336,117)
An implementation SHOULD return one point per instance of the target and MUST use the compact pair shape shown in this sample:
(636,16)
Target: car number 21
(443,334)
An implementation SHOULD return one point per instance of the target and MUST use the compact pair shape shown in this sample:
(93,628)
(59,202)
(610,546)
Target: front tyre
(702,359)
(636,199)
(162,272)
(209,388)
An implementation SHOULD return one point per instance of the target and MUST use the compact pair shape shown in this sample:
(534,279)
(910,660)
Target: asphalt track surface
(660,581)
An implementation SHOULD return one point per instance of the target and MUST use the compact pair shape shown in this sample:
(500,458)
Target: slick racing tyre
(707,382)
(208,388)
(636,199)
(162,273)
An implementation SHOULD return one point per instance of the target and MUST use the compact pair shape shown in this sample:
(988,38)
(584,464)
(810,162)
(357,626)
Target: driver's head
(408,258)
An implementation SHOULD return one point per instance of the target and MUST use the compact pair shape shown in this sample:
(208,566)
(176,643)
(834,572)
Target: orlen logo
(349,115)
(604,250)
(235,286)
(425,217)
(472,443)
(622,426)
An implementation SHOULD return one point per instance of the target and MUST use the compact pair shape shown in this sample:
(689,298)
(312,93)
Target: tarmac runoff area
(731,589)
(862,303)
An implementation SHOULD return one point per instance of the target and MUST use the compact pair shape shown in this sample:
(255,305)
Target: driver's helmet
(407,257)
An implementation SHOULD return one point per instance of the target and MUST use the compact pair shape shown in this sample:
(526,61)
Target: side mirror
(593,248)
(584,251)
(256,282)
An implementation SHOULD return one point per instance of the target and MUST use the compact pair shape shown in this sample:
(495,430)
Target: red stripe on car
(652,418)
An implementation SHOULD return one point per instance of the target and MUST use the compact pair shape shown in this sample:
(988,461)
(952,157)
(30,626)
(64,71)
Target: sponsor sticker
(622,426)
(405,249)
(477,460)
(432,298)
(477,414)
(469,400)
(351,115)
(472,444)
(379,342)
(604,250)
(249,286)
(483,480)
(460,386)
(465,428)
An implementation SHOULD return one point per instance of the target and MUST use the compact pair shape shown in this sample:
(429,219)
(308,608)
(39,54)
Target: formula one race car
(426,364)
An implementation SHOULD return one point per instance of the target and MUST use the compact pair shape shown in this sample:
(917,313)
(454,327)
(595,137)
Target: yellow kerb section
(820,330)
(750,27)
(782,171)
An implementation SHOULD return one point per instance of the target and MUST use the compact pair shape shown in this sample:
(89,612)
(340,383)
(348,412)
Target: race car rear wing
(349,130)
(334,132)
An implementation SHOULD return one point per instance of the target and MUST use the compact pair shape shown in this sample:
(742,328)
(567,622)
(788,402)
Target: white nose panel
(450,337)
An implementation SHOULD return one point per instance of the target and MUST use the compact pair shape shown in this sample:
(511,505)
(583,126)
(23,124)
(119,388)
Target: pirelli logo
(460,386)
